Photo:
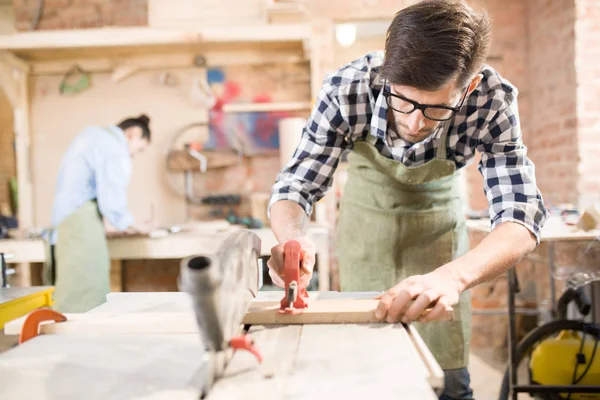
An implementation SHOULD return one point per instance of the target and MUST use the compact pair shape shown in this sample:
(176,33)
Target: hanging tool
(294,300)
(82,83)
(222,286)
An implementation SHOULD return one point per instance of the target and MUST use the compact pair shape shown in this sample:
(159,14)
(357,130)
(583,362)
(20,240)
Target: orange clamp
(31,326)
(293,301)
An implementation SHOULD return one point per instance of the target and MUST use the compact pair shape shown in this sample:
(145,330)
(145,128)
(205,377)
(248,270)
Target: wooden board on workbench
(328,361)
(319,311)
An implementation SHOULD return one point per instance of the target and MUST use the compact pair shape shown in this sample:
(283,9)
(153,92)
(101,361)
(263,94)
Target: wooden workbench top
(350,361)
(555,230)
(172,246)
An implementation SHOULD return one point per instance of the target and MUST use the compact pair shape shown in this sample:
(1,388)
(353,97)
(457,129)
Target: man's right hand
(307,262)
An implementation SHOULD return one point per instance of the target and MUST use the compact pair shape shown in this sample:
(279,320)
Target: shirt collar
(119,134)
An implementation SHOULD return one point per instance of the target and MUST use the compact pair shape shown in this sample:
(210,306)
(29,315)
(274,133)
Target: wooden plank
(103,367)
(120,323)
(435,374)
(335,311)
(141,36)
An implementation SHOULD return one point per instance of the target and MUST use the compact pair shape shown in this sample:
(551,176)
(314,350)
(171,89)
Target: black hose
(541,333)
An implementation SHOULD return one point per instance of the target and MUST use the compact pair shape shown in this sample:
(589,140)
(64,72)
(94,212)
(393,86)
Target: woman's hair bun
(144,119)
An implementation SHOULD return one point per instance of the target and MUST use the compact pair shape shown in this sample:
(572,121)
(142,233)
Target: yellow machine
(557,361)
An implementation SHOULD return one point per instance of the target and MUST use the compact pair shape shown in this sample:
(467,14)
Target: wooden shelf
(181,160)
(48,45)
(265,107)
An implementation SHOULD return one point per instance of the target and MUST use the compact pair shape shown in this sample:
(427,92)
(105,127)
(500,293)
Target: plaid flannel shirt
(351,105)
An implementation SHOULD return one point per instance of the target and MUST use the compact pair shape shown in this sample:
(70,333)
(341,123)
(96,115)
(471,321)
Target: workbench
(350,361)
(16,301)
(173,246)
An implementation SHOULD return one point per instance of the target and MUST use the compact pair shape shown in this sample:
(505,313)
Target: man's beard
(421,136)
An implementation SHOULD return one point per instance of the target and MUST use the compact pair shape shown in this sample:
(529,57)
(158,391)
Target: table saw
(181,345)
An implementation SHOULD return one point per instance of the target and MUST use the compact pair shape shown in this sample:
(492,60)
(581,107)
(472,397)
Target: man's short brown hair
(432,42)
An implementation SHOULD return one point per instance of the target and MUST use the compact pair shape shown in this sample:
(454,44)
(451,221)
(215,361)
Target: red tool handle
(293,301)
(245,342)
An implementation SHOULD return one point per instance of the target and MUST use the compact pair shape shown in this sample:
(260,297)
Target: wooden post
(321,50)
(14,74)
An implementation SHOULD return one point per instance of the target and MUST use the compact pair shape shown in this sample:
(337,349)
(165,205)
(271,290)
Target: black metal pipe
(557,388)
(4,271)
(512,334)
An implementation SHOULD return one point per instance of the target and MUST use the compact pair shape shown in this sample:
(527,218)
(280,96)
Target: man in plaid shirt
(409,119)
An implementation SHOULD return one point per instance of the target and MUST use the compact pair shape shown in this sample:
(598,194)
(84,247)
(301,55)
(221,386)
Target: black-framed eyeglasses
(407,106)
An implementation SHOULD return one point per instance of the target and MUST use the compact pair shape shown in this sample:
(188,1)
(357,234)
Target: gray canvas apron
(396,222)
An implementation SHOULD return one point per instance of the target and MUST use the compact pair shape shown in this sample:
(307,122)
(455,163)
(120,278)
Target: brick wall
(7,154)
(71,14)
(553,144)
(587,33)
(508,55)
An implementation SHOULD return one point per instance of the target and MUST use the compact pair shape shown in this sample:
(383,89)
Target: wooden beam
(22,131)
(11,70)
(321,49)
(14,74)
(160,62)
(144,36)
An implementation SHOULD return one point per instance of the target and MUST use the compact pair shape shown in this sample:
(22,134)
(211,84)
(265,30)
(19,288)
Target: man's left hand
(434,295)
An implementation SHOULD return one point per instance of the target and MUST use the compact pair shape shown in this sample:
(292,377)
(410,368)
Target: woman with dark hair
(92,184)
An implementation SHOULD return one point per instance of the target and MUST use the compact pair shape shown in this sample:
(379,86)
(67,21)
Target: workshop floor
(486,373)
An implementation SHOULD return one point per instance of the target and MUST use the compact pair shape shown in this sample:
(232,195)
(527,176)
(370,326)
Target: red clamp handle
(293,301)
(31,326)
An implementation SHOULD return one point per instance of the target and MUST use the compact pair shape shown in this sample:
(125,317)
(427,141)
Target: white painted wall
(58,118)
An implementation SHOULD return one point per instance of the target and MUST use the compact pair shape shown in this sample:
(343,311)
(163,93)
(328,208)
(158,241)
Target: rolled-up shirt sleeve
(509,175)
(309,174)
(112,183)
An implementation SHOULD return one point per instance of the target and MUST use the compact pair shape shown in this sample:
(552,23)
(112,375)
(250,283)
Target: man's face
(136,142)
(415,127)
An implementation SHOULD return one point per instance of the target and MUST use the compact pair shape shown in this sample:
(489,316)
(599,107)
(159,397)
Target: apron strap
(440,153)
